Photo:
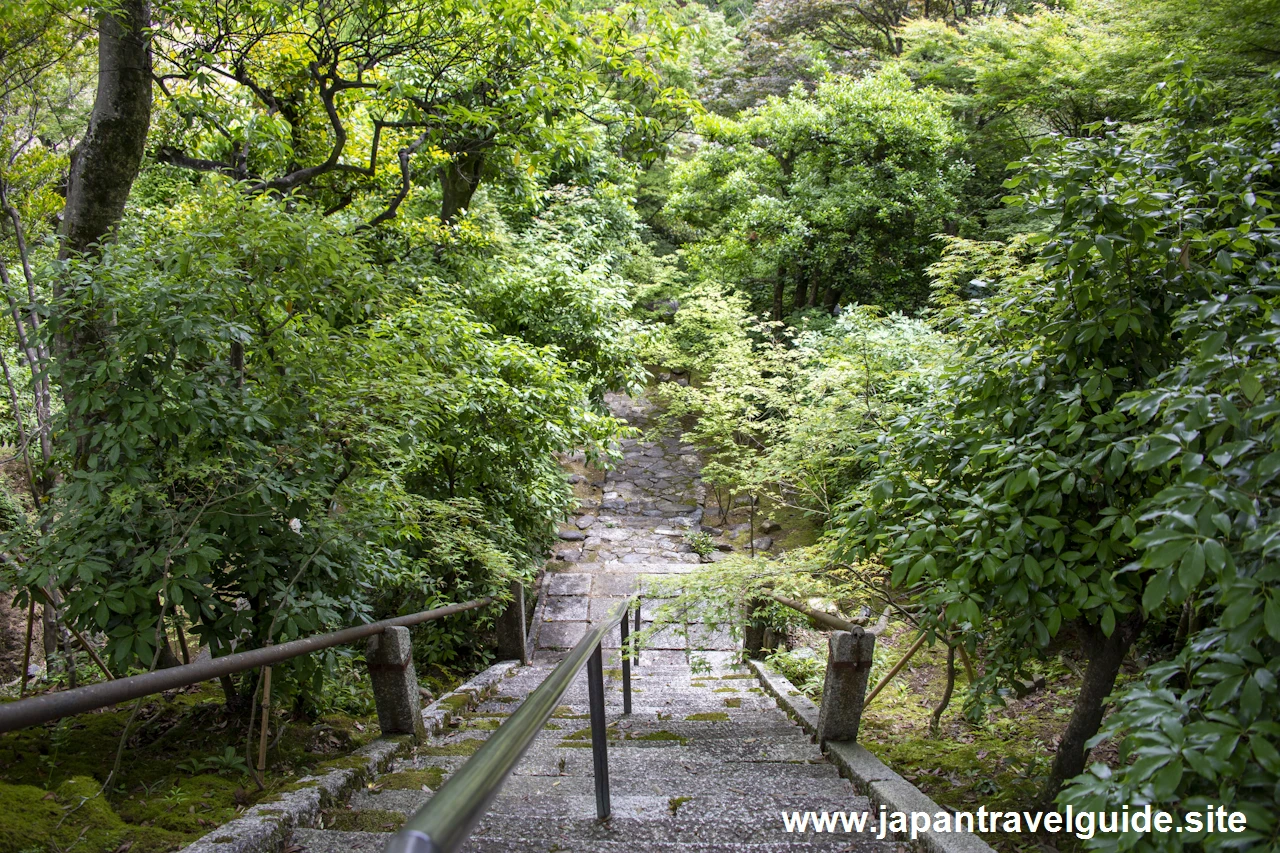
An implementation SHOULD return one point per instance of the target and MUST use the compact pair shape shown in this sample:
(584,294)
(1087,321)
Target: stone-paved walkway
(631,526)
(706,761)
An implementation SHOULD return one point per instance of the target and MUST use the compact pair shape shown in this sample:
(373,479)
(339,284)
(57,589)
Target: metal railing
(451,815)
(53,706)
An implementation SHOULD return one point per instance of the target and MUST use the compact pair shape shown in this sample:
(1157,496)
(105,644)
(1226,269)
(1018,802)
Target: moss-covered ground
(182,771)
(176,779)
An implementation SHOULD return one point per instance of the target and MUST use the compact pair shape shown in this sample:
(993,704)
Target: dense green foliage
(822,197)
(380,263)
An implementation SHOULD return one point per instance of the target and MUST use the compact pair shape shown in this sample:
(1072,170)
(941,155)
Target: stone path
(632,526)
(705,762)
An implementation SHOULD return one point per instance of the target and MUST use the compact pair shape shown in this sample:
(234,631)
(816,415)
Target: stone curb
(264,828)
(869,775)
(798,706)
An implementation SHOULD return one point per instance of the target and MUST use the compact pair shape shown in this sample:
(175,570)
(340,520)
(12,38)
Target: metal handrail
(53,706)
(449,817)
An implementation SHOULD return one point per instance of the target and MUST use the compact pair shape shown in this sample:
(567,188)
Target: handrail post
(845,688)
(624,651)
(599,734)
(389,656)
(753,633)
(513,628)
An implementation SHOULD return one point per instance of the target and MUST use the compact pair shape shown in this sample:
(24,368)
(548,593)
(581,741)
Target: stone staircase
(706,761)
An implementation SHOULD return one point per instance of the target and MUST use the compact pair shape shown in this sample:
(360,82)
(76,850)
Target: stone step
(640,779)
(727,816)
(542,760)
(317,841)
(685,733)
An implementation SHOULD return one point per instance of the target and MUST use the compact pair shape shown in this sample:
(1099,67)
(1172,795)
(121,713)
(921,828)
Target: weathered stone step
(640,779)
(315,841)
(541,760)
(692,734)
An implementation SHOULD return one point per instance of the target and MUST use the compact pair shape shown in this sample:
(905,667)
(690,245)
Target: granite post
(389,656)
(753,634)
(845,688)
(513,628)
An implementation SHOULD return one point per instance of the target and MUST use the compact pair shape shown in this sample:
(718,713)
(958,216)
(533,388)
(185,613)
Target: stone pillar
(845,688)
(513,628)
(753,633)
(389,657)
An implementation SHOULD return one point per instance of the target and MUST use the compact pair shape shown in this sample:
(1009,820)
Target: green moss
(455,702)
(289,789)
(613,673)
(661,735)
(362,820)
(709,717)
(565,712)
(737,676)
(74,813)
(674,804)
(734,702)
(467,746)
(350,762)
(158,805)
(413,780)
(585,734)
(725,690)
(485,724)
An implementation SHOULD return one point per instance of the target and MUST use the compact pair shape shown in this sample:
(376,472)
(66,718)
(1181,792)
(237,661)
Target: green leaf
(1191,567)
(1251,388)
(1157,590)
(1271,617)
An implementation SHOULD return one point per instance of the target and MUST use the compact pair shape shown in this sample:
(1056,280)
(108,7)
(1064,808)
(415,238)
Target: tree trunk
(815,284)
(105,163)
(1106,654)
(458,182)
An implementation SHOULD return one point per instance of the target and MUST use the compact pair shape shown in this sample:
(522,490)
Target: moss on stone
(660,735)
(413,780)
(455,702)
(467,746)
(733,702)
(485,724)
(362,820)
(350,762)
(725,690)
(674,804)
(709,717)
